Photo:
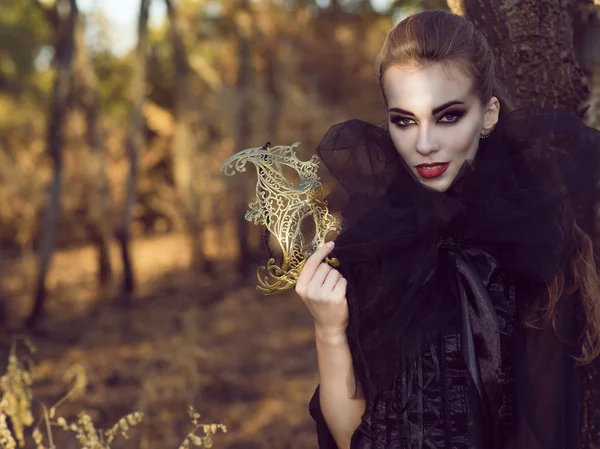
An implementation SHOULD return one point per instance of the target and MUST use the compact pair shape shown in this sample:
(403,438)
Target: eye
(401,121)
(451,117)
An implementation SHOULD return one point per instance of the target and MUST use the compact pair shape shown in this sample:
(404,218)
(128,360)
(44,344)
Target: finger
(340,287)
(332,277)
(316,283)
(312,263)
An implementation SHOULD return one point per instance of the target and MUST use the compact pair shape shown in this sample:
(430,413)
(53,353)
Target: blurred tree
(63,15)
(269,45)
(97,190)
(4,318)
(586,28)
(341,72)
(185,145)
(526,35)
(23,35)
(243,132)
(135,143)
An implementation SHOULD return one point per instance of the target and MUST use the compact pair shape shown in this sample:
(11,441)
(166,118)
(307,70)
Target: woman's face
(436,119)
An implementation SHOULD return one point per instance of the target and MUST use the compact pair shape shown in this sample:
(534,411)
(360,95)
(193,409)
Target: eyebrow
(433,111)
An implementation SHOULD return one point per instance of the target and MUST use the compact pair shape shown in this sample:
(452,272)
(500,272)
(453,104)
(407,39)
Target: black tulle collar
(519,196)
(531,180)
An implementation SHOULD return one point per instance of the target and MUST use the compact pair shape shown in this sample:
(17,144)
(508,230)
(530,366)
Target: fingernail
(330,244)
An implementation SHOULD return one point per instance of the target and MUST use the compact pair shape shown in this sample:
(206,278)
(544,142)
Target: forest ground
(240,358)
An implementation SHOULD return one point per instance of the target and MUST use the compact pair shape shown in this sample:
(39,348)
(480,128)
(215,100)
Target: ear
(491,116)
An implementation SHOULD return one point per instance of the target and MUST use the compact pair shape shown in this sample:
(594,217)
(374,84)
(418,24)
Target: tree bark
(99,204)
(533,41)
(185,144)
(593,114)
(135,143)
(58,107)
(587,48)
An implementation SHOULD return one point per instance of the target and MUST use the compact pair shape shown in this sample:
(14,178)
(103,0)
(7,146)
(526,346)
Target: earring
(484,136)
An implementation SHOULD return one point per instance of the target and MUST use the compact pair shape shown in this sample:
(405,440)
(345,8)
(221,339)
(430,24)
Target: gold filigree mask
(283,206)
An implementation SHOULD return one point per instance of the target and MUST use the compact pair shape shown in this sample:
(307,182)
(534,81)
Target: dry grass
(16,408)
(242,359)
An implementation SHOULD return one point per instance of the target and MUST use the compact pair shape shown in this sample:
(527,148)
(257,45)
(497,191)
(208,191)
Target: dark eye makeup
(448,118)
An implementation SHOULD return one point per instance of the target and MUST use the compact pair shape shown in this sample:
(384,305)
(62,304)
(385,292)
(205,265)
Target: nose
(426,143)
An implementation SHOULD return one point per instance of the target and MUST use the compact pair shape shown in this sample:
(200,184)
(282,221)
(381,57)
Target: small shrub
(16,408)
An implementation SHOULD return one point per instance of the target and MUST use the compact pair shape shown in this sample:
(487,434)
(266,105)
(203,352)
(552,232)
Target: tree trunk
(58,107)
(134,145)
(273,90)
(526,35)
(185,145)
(593,114)
(99,204)
(242,139)
(4,318)
(587,48)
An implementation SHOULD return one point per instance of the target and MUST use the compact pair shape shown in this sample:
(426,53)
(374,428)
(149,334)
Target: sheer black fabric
(590,430)
(446,289)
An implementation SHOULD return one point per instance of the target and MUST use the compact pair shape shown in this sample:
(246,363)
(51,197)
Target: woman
(466,310)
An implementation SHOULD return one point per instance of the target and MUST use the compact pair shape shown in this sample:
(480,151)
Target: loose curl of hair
(440,37)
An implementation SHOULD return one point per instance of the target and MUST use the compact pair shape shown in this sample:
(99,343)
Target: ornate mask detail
(282,205)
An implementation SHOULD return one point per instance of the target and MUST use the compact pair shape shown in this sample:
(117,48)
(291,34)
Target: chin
(440,185)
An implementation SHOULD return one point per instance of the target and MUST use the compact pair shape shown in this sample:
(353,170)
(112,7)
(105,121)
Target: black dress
(446,290)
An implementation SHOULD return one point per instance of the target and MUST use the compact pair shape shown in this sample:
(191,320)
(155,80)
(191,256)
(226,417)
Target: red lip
(429,173)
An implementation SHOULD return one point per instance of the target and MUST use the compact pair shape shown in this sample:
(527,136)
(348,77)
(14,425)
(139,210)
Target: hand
(323,290)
